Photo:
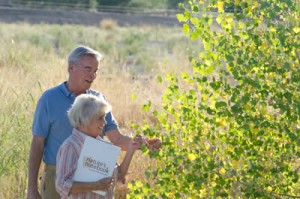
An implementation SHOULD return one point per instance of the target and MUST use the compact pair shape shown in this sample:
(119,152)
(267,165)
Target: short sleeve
(111,123)
(41,123)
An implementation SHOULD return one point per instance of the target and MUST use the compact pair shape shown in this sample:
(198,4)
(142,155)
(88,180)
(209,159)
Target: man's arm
(123,168)
(34,162)
(123,141)
(118,139)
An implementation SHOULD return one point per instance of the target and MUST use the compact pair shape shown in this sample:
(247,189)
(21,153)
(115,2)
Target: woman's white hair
(85,108)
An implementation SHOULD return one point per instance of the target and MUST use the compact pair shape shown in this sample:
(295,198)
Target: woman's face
(95,127)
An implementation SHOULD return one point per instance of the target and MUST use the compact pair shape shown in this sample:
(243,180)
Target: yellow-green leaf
(269,189)
(159,79)
(139,184)
(229,18)
(133,97)
(296,30)
(195,21)
(222,171)
(220,5)
(186,28)
(236,2)
(181,18)
(241,25)
(219,19)
(191,157)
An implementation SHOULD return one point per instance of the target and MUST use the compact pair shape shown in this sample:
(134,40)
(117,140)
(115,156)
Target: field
(33,58)
(227,109)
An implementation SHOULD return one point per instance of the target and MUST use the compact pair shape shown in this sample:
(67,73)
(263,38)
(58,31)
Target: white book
(97,160)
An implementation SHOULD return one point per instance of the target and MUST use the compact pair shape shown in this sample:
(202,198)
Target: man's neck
(73,90)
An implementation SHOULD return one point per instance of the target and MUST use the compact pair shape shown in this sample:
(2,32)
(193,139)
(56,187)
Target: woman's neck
(83,130)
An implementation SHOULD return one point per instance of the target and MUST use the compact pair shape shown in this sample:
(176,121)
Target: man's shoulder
(53,90)
(97,93)
(51,93)
(94,92)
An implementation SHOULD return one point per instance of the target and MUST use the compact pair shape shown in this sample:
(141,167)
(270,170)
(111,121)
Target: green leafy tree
(230,128)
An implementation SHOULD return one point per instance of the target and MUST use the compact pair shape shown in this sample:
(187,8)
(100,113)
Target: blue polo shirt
(51,120)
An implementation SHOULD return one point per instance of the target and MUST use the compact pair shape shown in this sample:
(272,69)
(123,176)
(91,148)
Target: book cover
(97,160)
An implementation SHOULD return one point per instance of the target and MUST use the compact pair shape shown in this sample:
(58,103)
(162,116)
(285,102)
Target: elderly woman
(87,116)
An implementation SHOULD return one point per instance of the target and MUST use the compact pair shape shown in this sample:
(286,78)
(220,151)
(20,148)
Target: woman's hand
(105,183)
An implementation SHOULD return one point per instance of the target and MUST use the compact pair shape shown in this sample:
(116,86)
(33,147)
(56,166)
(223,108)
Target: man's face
(84,72)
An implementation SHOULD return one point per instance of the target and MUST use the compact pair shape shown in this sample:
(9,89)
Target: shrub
(230,128)
(108,24)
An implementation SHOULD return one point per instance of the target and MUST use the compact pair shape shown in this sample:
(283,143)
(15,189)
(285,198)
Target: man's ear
(71,67)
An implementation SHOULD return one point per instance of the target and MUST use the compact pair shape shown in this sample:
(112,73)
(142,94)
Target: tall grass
(33,58)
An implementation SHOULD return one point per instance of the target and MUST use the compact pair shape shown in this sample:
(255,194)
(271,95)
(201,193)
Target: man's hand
(153,144)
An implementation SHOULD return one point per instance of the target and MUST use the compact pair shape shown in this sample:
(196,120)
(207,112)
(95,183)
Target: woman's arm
(103,185)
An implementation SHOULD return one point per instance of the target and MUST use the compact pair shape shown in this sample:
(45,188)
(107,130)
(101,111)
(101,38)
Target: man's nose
(93,74)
